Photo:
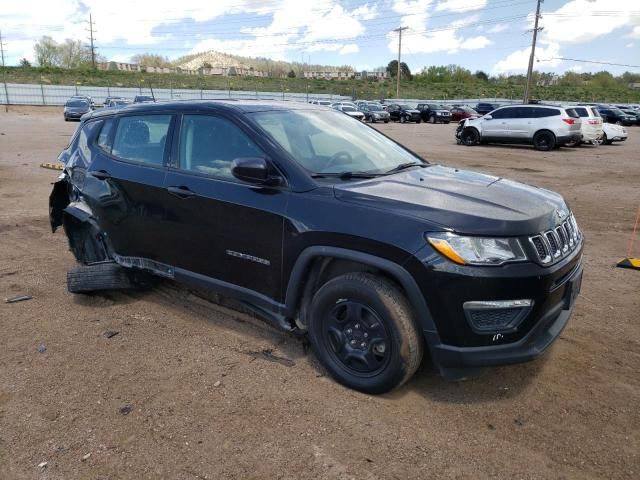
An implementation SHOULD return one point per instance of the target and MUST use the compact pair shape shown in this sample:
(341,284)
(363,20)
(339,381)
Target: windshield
(468,110)
(347,108)
(331,143)
(374,108)
(77,103)
(406,106)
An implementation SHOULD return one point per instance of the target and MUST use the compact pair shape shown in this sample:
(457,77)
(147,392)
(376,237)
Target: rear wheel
(618,122)
(544,141)
(363,332)
(470,137)
(419,120)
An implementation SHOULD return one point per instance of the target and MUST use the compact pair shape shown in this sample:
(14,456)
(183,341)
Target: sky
(489,35)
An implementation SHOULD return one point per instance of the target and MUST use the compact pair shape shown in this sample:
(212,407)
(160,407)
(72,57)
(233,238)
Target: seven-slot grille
(557,243)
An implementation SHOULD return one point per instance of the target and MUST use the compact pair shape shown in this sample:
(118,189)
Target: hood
(411,111)
(460,200)
(77,109)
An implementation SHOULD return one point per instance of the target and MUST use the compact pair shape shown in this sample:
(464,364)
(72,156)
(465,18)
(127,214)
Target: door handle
(181,191)
(101,174)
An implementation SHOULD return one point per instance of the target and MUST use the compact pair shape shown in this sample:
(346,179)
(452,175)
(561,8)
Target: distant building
(328,75)
(548,82)
(231,71)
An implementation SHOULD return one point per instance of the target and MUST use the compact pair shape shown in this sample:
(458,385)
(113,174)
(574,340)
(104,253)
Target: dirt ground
(184,390)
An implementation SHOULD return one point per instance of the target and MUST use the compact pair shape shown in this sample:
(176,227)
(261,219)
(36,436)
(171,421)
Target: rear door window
(582,112)
(142,138)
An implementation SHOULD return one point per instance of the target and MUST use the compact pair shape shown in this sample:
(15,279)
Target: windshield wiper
(404,166)
(345,175)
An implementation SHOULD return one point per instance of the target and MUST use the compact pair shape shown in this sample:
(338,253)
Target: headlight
(477,250)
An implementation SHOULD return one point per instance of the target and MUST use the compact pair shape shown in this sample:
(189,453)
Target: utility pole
(4,76)
(93,49)
(399,30)
(527,87)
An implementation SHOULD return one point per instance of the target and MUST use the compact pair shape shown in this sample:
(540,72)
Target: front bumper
(528,348)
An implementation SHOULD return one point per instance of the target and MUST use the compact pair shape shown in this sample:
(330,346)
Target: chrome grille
(555,244)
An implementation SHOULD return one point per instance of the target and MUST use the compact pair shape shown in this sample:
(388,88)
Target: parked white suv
(591,124)
(543,126)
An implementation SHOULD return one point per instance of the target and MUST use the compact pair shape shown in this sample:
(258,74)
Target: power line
(591,61)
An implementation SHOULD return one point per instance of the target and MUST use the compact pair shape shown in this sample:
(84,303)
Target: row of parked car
(78,105)
(546,126)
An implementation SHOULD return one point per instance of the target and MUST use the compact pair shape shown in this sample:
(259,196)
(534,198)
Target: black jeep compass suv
(325,226)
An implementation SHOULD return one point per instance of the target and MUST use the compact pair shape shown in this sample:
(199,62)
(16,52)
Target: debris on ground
(125,409)
(110,334)
(43,464)
(41,348)
(18,298)
(217,384)
(86,457)
(267,354)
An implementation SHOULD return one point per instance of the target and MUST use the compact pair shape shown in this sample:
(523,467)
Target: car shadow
(484,385)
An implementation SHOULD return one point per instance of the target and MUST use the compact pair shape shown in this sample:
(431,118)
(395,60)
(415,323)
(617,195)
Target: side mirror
(253,170)
(488,117)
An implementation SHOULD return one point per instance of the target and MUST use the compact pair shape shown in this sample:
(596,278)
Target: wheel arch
(319,264)
(545,130)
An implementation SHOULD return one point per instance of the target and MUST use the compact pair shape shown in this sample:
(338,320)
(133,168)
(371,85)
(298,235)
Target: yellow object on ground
(52,166)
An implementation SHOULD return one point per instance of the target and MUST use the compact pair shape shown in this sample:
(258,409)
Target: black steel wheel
(544,141)
(470,137)
(362,331)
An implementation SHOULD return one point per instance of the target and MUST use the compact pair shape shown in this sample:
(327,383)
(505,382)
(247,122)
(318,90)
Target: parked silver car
(543,126)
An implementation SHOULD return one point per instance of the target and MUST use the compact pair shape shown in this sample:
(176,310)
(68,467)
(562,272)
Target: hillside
(274,67)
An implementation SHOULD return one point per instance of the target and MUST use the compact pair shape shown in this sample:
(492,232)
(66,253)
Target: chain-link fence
(57,95)
(41,94)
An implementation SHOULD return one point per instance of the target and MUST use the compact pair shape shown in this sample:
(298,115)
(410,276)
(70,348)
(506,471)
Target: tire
(544,141)
(432,119)
(446,123)
(386,121)
(403,119)
(419,120)
(601,141)
(470,137)
(352,308)
(98,277)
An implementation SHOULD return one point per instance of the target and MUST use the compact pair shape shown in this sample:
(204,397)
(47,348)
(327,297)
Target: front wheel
(432,119)
(403,119)
(419,120)
(469,137)
(363,332)
(544,141)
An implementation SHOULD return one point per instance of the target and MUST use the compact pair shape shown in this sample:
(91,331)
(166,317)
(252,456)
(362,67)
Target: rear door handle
(101,174)
(181,191)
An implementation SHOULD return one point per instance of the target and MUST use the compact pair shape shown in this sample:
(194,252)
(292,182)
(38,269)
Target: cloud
(419,39)
(629,45)
(518,61)
(460,5)
(475,43)
(498,28)
(291,25)
(350,48)
(575,68)
(578,21)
